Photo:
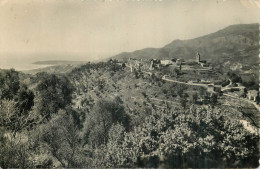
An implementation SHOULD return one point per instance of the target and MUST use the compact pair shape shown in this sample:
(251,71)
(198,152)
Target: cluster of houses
(135,64)
(241,90)
(156,63)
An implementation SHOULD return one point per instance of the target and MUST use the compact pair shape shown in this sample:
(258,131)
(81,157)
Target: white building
(166,62)
(252,94)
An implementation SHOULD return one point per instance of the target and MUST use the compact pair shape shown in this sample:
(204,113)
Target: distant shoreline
(57,62)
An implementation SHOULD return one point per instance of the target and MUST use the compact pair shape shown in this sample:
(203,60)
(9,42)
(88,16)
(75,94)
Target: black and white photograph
(129,84)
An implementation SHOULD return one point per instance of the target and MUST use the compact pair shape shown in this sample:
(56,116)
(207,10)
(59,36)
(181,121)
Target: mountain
(236,46)
(143,53)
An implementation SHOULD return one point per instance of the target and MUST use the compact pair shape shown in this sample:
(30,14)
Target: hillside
(146,53)
(134,114)
(235,46)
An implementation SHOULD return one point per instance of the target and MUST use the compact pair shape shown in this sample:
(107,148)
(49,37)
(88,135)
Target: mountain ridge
(238,44)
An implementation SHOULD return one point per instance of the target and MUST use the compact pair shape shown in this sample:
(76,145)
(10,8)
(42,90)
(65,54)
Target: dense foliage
(77,120)
(53,93)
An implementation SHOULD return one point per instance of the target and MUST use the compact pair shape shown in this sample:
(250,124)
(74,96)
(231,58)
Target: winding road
(191,84)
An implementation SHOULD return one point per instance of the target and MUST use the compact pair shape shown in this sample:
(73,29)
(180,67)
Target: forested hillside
(104,115)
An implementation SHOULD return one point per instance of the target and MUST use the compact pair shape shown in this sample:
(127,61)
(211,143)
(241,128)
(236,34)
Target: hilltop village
(195,72)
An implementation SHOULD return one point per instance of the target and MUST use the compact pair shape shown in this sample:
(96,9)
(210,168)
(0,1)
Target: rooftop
(252,92)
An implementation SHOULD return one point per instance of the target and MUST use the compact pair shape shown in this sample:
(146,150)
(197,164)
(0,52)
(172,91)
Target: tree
(214,99)
(177,72)
(13,152)
(25,99)
(114,152)
(190,138)
(9,83)
(195,97)
(54,93)
(234,77)
(183,102)
(12,118)
(105,114)
(101,84)
(62,140)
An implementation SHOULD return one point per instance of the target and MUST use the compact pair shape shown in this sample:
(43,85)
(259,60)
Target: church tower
(198,57)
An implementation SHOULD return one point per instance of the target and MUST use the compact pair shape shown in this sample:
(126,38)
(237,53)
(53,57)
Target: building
(155,63)
(138,65)
(252,94)
(198,57)
(147,74)
(179,61)
(214,89)
(202,63)
(121,64)
(210,88)
(166,62)
(174,60)
(203,81)
(217,88)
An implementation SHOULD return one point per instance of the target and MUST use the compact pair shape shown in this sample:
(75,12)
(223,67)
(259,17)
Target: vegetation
(42,126)
(53,93)
(105,115)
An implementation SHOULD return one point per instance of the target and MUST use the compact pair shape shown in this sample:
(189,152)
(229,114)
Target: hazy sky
(106,27)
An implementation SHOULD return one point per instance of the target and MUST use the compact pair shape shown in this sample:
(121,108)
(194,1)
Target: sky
(94,29)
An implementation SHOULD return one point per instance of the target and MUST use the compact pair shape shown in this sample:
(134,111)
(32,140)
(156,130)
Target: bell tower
(198,57)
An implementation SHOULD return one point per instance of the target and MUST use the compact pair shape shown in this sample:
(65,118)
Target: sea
(19,64)
(24,62)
